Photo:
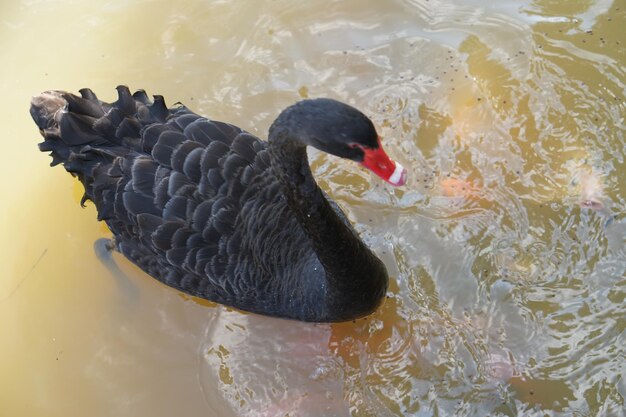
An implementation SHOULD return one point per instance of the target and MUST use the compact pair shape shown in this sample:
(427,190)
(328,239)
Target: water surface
(506,247)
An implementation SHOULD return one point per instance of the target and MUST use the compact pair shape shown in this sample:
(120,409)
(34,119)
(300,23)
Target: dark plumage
(215,212)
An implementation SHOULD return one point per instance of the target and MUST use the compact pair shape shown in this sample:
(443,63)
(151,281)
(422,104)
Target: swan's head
(340,130)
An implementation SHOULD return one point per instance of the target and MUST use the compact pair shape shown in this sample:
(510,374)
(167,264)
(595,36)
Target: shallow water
(506,247)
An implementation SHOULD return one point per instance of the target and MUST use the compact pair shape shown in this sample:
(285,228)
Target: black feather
(145,116)
(190,260)
(233,165)
(118,201)
(86,93)
(205,132)
(141,96)
(181,152)
(105,128)
(234,243)
(224,132)
(77,129)
(212,154)
(203,257)
(179,239)
(150,135)
(125,102)
(188,190)
(210,234)
(129,128)
(143,174)
(192,202)
(164,148)
(176,256)
(191,166)
(161,173)
(223,221)
(105,202)
(83,106)
(184,120)
(148,224)
(195,241)
(175,209)
(248,174)
(177,182)
(216,268)
(161,197)
(162,237)
(158,109)
(115,116)
(201,215)
(215,178)
(243,145)
(137,204)
(222,203)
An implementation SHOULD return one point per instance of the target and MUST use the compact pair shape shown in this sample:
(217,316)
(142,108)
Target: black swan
(215,212)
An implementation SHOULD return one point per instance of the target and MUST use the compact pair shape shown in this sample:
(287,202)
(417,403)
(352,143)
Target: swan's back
(193,202)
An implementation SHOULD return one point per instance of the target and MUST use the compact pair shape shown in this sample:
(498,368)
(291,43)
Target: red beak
(379,162)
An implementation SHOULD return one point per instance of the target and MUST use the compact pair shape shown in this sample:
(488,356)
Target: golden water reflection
(506,247)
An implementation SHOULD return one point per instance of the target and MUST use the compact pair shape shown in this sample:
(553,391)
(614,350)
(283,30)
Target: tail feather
(84,133)
(88,135)
(45,109)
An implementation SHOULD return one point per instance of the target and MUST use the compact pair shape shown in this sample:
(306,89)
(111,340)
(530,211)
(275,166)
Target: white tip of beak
(399,175)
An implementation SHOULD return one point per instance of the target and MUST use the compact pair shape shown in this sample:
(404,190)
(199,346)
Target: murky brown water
(506,247)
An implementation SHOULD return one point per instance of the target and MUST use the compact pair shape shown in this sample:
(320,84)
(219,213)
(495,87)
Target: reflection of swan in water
(103,250)
(268,367)
(249,365)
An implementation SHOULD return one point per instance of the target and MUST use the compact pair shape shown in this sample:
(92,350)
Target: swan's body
(215,212)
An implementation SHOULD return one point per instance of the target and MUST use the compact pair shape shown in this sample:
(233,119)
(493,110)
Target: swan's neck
(352,270)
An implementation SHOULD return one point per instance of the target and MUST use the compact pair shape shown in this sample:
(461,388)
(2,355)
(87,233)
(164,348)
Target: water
(506,247)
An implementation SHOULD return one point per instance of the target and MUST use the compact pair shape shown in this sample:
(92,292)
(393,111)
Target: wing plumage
(193,202)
